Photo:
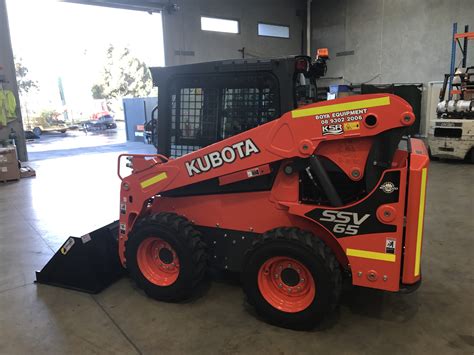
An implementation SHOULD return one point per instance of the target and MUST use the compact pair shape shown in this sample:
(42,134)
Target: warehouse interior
(407,65)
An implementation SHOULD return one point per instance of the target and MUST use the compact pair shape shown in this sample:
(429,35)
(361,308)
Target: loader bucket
(88,264)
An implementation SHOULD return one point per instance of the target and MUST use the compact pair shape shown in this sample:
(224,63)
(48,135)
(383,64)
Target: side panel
(248,211)
(370,231)
(418,172)
(371,243)
(230,216)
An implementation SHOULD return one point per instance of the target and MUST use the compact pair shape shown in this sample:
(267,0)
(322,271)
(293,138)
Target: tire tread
(182,227)
(310,242)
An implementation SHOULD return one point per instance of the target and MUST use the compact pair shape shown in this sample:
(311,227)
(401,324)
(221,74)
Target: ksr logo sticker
(333,129)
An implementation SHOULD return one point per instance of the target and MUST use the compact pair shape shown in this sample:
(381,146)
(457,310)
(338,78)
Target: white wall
(395,41)
(182,30)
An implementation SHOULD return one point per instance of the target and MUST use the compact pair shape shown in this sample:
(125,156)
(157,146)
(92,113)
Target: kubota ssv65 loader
(293,204)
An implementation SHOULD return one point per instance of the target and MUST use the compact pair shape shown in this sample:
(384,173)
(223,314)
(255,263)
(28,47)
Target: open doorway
(75,65)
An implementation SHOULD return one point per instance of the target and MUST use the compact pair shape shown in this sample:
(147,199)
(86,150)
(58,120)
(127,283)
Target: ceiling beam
(147,6)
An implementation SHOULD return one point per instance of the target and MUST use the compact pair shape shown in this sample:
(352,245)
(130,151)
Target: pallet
(26,172)
(9,180)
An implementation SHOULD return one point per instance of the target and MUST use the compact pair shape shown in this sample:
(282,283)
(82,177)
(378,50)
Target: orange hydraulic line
(468,35)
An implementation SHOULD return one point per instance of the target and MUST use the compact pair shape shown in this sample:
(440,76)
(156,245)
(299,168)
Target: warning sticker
(351,126)
(390,245)
(86,238)
(67,246)
(253,172)
(123,228)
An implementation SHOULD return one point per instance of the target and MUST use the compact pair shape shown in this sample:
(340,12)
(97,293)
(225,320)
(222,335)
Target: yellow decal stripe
(370,255)
(382,101)
(421,214)
(153,180)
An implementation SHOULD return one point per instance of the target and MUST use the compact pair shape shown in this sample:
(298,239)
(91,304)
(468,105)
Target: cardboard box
(9,172)
(9,169)
(8,155)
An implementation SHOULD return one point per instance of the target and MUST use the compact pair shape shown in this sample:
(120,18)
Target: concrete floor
(77,191)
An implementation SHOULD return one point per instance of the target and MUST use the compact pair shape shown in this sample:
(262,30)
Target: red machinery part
(380,252)
(286,284)
(325,182)
(333,129)
(158,261)
(386,213)
(418,176)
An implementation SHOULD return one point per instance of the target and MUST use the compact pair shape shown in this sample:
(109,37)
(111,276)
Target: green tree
(24,83)
(123,76)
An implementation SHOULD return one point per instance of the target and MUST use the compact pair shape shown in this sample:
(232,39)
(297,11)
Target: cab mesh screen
(206,111)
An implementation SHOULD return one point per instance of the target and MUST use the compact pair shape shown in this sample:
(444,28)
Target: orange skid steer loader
(292,205)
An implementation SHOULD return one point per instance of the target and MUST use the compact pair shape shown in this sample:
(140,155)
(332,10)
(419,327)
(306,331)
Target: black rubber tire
(470,156)
(184,239)
(432,158)
(37,131)
(312,253)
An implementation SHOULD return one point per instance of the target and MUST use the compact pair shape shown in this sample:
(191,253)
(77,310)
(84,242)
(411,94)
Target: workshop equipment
(451,133)
(293,205)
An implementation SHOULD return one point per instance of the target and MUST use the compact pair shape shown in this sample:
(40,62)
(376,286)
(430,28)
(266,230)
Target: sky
(56,39)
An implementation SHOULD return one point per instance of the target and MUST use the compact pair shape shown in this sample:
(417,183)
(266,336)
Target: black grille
(448,132)
(446,149)
(202,115)
(193,119)
(246,108)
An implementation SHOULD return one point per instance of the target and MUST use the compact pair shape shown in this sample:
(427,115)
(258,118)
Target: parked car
(100,122)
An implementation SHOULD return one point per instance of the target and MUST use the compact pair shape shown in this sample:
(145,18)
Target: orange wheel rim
(286,284)
(158,261)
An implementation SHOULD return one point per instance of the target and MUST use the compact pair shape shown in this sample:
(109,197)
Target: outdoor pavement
(77,190)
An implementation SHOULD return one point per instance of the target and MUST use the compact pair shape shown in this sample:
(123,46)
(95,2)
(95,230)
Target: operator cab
(203,103)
